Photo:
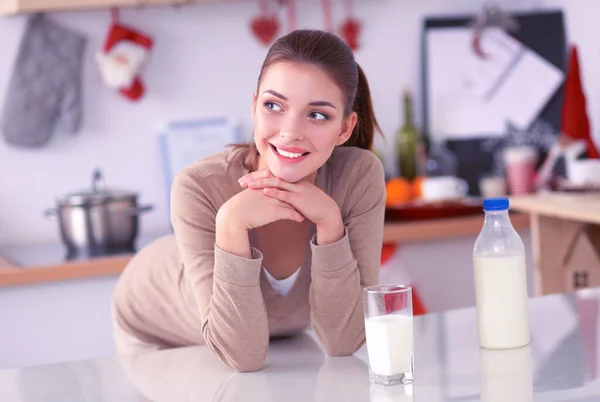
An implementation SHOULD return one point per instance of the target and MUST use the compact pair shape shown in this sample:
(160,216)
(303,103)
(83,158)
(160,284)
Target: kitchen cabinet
(53,322)
(29,6)
(566,239)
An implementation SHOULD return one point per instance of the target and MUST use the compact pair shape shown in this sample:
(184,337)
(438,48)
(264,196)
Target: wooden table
(565,230)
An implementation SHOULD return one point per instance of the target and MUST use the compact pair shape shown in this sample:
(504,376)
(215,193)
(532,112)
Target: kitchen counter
(565,234)
(43,263)
(579,207)
(560,364)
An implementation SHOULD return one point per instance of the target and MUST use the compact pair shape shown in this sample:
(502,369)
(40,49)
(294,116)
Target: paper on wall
(470,96)
(186,141)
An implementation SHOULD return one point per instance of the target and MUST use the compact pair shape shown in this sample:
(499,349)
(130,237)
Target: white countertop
(561,364)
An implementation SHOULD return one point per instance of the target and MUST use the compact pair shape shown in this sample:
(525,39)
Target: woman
(274,236)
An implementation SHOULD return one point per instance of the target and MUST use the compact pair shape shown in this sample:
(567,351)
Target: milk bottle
(500,280)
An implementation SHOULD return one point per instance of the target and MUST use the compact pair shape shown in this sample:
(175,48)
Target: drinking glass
(389,333)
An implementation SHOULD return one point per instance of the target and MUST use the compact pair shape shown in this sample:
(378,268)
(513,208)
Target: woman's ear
(254,104)
(348,125)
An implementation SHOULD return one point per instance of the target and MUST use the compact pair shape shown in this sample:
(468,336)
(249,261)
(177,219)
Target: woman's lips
(289,154)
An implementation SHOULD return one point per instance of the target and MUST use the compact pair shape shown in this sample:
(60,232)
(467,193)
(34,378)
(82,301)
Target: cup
(492,187)
(520,169)
(583,172)
(439,188)
(389,333)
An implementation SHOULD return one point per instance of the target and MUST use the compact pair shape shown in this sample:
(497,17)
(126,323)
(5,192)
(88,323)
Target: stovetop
(37,255)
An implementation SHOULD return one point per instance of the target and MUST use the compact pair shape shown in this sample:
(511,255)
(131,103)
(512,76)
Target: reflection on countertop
(55,253)
(560,364)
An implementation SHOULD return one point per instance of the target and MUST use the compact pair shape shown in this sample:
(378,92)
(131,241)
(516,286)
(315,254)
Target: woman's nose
(291,129)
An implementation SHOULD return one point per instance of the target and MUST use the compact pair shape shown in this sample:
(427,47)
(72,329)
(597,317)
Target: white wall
(205,62)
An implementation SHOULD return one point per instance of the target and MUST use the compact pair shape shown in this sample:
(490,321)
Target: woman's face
(298,114)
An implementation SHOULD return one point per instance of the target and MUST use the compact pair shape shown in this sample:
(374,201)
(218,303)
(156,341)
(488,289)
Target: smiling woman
(273,236)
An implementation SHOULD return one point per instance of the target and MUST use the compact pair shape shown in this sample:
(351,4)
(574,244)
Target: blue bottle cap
(495,204)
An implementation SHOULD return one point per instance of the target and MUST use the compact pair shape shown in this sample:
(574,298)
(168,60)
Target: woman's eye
(318,116)
(272,106)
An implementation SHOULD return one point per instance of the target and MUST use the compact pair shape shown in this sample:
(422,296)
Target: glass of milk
(389,333)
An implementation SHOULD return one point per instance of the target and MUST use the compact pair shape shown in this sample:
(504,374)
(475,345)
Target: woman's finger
(286,211)
(259,174)
(282,204)
(275,182)
(290,213)
(281,195)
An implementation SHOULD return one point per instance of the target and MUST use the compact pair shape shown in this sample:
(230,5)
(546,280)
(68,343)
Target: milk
(501,299)
(390,344)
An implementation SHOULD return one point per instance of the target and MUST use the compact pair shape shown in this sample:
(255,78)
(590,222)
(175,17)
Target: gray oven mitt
(44,92)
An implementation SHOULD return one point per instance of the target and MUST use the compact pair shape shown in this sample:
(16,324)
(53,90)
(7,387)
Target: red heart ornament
(349,31)
(265,28)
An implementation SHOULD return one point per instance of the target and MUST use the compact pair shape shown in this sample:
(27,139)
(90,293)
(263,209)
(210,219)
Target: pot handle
(50,212)
(140,209)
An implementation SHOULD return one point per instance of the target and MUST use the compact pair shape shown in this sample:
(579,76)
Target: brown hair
(329,52)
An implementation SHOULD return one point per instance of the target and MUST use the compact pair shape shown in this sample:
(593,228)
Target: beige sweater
(183,290)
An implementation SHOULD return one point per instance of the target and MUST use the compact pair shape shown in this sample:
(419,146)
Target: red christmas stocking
(123,56)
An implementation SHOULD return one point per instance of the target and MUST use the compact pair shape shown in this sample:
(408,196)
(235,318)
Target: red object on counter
(575,122)
(391,304)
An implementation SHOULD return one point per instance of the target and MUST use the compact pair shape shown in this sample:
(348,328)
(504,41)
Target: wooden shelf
(409,232)
(30,6)
(97,267)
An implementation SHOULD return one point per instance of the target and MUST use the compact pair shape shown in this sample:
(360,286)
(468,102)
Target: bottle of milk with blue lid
(500,280)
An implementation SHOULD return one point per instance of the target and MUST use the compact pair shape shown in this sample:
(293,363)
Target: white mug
(583,172)
(443,188)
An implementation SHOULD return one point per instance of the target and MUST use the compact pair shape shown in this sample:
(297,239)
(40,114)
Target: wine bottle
(409,146)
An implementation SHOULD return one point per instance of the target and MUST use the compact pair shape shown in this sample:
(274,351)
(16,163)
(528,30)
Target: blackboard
(544,33)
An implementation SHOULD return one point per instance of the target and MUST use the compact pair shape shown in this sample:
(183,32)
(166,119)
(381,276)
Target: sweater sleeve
(225,287)
(341,270)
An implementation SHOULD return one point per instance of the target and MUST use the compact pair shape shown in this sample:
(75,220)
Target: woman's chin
(288,174)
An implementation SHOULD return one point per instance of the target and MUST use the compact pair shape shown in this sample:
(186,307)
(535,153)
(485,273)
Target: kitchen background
(205,63)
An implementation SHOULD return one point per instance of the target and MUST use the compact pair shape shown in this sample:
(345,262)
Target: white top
(282,286)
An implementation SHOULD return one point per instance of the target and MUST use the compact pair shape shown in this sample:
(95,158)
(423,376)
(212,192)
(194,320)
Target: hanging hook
(114,15)
(491,16)
(182,3)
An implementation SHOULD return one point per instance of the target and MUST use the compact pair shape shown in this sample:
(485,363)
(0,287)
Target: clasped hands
(307,199)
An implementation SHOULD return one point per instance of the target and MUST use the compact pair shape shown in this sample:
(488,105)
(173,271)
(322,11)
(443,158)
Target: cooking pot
(98,221)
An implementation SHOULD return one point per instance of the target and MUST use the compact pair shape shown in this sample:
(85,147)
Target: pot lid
(97,194)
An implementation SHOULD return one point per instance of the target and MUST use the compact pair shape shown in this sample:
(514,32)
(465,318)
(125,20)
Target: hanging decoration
(123,56)
(266,26)
(291,15)
(327,19)
(351,27)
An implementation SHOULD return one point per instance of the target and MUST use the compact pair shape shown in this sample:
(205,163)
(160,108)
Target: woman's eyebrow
(315,103)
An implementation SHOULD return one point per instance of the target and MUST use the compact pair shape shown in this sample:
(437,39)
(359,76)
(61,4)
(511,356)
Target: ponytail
(363,134)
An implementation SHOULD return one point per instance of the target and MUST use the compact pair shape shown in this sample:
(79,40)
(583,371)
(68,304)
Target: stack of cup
(520,169)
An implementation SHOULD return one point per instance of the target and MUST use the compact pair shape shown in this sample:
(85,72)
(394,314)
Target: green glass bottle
(409,146)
